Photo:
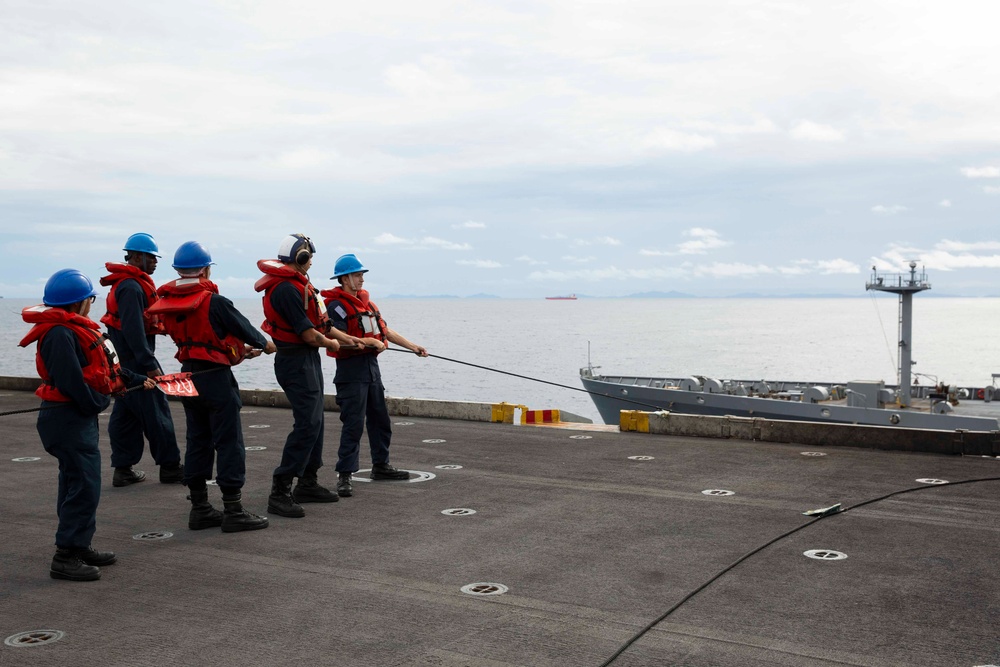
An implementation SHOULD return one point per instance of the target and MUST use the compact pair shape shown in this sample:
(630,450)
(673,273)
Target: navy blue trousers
(141,413)
(362,403)
(73,440)
(299,372)
(214,431)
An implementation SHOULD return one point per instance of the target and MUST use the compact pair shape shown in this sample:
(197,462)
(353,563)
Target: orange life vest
(183,308)
(120,272)
(101,371)
(362,316)
(275,273)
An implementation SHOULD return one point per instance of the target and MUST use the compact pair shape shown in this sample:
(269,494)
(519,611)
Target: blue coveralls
(144,412)
(69,432)
(214,429)
(299,371)
(361,398)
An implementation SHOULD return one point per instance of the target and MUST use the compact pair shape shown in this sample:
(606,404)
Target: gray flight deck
(592,544)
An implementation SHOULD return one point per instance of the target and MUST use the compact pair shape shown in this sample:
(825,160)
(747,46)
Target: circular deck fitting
(824,554)
(484,588)
(255,448)
(26,459)
(894,418)
(434,441)
(931,480)
(34,638)
(458,511)
(402,423)
(580,437)
(260,426)
(415,476)
(449,466)
(813,453)
(718,492)
(153,535)
(248,412)
(640,458)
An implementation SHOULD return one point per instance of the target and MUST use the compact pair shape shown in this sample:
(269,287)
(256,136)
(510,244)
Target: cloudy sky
(517,148)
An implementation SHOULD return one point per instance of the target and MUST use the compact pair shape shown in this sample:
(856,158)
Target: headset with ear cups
(303,256)
(305,253)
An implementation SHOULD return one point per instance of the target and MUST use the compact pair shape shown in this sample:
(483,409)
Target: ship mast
(905,286)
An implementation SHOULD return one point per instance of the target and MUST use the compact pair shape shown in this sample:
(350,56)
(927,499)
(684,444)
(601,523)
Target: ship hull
(611,397)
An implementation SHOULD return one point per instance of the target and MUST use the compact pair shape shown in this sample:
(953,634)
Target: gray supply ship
(867,402)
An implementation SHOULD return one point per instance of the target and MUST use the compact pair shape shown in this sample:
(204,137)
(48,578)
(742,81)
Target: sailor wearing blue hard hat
(360,393)
(134,334)
(79,370)
(296,319)
(211,337)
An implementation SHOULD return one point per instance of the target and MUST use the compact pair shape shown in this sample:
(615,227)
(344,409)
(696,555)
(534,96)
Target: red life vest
(183,308)
(362,316)
(101,371)
(277,272)
(120,272)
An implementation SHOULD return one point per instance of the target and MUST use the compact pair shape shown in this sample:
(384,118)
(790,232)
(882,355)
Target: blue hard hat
(142,242)
(66,287)
(347,264)
(192,255)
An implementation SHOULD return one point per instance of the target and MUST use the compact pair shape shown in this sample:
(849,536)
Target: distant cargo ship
(568,297)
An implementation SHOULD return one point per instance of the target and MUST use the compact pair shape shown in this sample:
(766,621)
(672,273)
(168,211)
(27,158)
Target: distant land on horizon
(685,295)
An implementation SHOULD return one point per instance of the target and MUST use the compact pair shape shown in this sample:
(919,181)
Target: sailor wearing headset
(295,318)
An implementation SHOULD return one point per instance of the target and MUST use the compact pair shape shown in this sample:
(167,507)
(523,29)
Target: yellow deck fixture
(504,412)
(634,420)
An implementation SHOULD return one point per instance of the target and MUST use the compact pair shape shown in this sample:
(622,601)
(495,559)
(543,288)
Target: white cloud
(731,270)
(889,210)
(663,139)
(703,241)
(981,172)
(577,260)
(945,203)
(946,255)
(480,263)
(387,238)
(470,225)
(529,260)
(806,130)
(962,246)
(600,240)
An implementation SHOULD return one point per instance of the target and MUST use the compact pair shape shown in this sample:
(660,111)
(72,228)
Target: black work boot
(280,501)
(308,490)
(236,518)
(202,515)
(171,473)
(344,487)
(386,471)
(67,564)
(91,556)
(126,475)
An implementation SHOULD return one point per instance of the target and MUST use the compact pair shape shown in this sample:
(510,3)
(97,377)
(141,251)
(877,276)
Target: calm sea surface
(798,339)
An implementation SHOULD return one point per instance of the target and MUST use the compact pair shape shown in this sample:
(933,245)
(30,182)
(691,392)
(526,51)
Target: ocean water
(820,340)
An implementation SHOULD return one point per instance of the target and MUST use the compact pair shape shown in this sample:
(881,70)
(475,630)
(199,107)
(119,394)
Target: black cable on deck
(791,532)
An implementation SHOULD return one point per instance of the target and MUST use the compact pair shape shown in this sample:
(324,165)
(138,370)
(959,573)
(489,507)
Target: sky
(518,148)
